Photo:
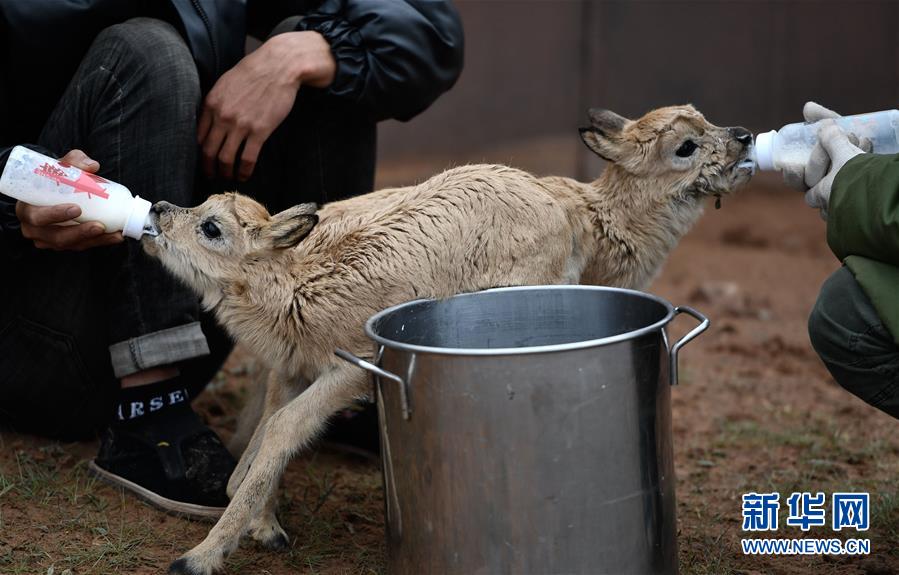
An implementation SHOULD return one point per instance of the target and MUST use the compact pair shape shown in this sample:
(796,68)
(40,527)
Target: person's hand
(794,176)
(39,222)
(252,99)
(838,149)
(805,177)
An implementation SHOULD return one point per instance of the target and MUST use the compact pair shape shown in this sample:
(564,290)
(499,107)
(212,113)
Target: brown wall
(532,67)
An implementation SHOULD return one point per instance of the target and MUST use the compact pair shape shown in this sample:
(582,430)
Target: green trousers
(854,344)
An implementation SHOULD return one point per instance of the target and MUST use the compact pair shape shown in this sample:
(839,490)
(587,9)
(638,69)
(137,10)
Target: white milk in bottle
(791,146)
(39,180)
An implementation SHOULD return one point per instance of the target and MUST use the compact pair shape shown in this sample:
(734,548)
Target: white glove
(807,176)
(796,177)
(837,149)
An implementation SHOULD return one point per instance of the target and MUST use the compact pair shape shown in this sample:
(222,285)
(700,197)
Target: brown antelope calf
(295,286)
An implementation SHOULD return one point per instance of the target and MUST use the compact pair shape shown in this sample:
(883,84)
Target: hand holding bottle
(40,223)
(802,177)
(794,174)
(837,149)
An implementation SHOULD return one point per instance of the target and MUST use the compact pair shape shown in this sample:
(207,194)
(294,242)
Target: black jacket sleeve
(393,58)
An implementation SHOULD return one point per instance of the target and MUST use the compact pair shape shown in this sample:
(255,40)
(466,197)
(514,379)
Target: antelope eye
(210,230)
(686,149)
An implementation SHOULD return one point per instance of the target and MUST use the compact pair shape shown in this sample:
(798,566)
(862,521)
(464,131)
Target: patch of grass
(53,513)
(88,539)
(322,530)
(8,563)
(240,562)
(35,479)
(785,451)
(809,455)
(114,549)
(885,521)
(80,489)
(705,554)
(822,442)
(91,545)
(6,484)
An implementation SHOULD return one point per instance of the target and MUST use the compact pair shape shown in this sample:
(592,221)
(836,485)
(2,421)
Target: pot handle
(368,366)
(703,325)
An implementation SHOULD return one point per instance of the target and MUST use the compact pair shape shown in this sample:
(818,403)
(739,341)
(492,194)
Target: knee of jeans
(155,50)
(830,339)
(835,351)
(819,329)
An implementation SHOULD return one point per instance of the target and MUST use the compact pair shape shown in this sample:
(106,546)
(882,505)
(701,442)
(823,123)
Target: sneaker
(171,460)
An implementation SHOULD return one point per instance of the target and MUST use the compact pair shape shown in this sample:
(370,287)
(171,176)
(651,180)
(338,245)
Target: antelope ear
(288,228)
(604,134)
(606,121)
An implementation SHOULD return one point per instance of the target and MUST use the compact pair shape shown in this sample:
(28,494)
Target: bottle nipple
(763,150)
(138,219)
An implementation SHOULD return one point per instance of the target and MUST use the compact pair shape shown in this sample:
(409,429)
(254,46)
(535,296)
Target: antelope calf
(295,286)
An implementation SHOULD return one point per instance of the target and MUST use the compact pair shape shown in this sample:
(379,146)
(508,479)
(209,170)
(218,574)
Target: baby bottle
(792,145)
(43,181)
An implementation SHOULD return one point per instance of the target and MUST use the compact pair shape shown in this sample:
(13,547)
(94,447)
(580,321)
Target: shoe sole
(180,508)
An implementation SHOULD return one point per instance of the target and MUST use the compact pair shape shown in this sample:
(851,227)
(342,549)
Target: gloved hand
(807,176)
(837,149)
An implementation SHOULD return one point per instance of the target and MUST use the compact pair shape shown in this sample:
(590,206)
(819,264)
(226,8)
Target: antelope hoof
(271,537)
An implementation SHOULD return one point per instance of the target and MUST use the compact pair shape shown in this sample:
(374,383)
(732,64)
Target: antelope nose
(741,135)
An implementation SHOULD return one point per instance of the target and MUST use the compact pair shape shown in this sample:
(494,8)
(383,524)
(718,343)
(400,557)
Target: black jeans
(854,344)
(72,324)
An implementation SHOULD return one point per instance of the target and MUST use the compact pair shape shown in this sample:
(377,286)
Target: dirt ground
(755,411)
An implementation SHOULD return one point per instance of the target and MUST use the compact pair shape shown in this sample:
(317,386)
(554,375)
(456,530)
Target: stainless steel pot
(528,430)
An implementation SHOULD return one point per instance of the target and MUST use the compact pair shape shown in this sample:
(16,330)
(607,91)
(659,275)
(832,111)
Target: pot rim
(633,334)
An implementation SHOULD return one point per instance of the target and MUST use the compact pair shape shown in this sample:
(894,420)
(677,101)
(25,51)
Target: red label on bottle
(86,183)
